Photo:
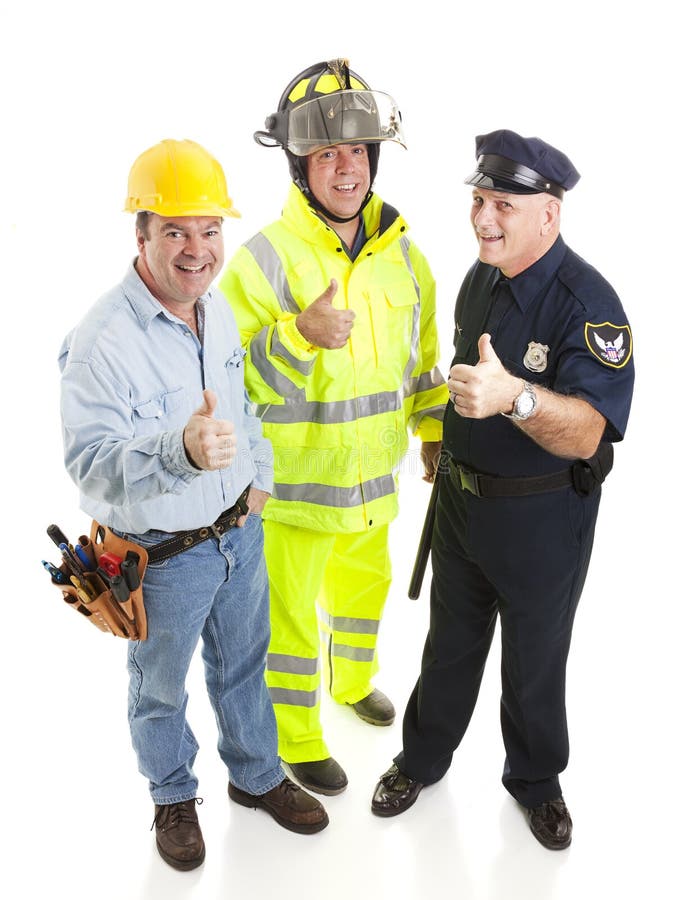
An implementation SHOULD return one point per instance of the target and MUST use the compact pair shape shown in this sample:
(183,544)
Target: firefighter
(336,308)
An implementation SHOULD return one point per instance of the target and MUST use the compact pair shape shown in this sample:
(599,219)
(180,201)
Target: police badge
(609,343)
(535,358)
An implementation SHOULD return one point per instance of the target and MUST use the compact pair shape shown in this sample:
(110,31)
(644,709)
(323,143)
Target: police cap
(508,162)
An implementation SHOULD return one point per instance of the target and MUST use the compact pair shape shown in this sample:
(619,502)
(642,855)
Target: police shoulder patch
(609,343)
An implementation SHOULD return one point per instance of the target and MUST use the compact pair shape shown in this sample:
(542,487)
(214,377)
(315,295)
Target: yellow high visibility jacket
(338,419)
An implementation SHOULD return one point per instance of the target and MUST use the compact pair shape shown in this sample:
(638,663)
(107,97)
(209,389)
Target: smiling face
(179,258)
(338,177)
(513,230)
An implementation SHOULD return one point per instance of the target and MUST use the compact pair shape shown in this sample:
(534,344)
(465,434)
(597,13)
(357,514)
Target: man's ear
(551,215)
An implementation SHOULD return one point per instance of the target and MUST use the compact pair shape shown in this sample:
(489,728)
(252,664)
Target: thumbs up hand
(323,325)
(210,443)
(484,389)
(486,351)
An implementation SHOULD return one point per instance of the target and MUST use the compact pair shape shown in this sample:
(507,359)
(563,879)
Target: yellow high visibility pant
(327,593)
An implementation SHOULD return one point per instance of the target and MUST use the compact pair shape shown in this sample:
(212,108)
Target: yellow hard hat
(178,178)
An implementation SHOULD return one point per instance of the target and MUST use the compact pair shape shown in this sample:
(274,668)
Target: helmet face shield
(343,117)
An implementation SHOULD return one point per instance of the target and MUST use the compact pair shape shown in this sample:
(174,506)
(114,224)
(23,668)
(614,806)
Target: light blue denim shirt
(132,375)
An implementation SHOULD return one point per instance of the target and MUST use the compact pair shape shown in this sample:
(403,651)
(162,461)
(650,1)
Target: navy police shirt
(558,324)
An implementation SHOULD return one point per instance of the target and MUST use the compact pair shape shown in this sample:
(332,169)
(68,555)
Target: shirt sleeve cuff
(174,457)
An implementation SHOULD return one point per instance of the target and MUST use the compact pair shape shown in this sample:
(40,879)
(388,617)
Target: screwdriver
(57,535)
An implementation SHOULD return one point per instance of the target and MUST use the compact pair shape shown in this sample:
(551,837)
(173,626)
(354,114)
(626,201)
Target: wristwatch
(524,404)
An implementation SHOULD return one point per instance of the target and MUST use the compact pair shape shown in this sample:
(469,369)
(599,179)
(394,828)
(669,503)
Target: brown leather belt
(185,540)
(491,486)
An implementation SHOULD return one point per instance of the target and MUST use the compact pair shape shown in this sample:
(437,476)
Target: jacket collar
(382,222)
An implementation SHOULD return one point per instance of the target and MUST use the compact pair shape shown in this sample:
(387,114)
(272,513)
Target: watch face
(525,404)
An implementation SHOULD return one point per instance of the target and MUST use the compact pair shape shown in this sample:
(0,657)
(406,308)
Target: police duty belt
(584,476)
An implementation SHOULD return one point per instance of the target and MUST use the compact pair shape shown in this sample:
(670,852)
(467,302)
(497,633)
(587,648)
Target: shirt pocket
(161,412)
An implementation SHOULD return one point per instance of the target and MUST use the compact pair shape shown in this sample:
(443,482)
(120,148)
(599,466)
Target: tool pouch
(126,620)
(589,474)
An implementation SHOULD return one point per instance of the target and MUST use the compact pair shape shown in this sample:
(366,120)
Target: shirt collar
(526,286)
(144,303)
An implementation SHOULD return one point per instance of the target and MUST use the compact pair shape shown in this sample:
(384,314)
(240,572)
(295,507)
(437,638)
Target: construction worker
(336,309)
(161,442)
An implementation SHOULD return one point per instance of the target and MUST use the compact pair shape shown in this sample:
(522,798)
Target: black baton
(424,544)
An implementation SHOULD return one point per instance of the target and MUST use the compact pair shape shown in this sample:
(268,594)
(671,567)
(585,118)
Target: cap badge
(535,359)
(609,343)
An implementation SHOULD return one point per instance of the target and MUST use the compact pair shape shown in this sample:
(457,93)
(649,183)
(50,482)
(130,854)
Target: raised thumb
(207,408)
(486,351)
(329,295)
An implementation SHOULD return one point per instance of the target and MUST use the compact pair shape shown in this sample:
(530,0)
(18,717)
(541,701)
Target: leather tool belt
(185,540)
(584,476)
(96,596)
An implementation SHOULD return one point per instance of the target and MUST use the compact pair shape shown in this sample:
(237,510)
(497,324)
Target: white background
(86,88)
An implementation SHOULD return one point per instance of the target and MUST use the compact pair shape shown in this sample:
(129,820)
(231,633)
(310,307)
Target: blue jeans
(217,591)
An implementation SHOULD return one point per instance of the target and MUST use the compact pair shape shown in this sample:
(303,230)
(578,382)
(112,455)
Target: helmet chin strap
(317,205)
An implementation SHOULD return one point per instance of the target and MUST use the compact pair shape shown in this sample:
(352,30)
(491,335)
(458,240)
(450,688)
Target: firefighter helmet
(329,104)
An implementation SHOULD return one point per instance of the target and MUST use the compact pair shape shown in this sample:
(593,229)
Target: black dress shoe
(375,708)
(179,838)
(394,793)
(323,776)
(551,824)
(291,807)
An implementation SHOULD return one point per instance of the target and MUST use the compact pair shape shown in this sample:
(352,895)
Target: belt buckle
(469,481)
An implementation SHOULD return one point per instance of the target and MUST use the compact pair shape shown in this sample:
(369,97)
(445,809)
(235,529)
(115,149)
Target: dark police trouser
(525,558)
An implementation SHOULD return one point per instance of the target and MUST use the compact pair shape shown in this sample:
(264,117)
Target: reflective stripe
(341,497)
(278,382)
(270,263)
(416,315)
(433,412)
(332,413)
(294,698)
(293,665)
(346,623)
(429,380)
(335,412)
(357,654)
(405,243)
(301,365)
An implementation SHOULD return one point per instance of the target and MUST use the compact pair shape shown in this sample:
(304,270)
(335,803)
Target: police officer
(541,386)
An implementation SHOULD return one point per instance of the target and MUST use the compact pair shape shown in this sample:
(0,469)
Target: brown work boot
(179,838)
(290,806)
